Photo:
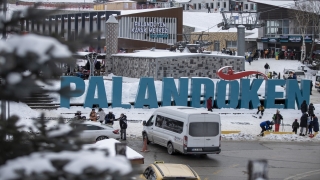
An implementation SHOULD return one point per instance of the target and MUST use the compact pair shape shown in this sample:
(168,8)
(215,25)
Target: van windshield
(318,78)
(204,129)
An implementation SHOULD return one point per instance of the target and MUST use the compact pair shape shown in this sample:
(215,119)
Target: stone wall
(197,65)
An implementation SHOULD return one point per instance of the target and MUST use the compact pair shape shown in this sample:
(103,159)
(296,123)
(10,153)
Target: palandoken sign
(241,94)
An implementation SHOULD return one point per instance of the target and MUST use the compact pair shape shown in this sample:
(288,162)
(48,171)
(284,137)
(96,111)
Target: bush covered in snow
(43,152)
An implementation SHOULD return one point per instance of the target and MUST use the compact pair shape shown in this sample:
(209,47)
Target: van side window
(159,121)
(150,121)
(203,129)
(169,124)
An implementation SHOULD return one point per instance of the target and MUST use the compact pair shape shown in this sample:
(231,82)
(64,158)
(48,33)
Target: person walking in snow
(123,126)
(311,109)
(260,109)
(266,68)
(209,9)
(295,126)
(209,104)
(304,107)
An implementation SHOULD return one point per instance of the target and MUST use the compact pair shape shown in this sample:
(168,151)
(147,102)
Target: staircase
(40,101)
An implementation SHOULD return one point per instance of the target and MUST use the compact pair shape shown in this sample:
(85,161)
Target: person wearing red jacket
(209,104)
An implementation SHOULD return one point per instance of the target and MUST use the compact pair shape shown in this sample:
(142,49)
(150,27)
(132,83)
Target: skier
(260,109)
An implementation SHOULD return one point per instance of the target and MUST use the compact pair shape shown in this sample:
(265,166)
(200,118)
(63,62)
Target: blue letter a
(146,88)
(169,88)
(101,100)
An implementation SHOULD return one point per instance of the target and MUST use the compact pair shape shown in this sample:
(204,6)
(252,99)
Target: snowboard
(257,116)
(261,134)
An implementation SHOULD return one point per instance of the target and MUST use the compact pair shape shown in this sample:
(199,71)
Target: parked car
(299,73)
(95,131)
(160,171)
(184,129)
(317,83)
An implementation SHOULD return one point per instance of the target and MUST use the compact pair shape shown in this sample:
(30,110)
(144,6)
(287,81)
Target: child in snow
(260,109)
(295,126)
(310,127)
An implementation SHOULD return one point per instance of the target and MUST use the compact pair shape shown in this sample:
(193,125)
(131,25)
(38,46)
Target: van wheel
(170,148)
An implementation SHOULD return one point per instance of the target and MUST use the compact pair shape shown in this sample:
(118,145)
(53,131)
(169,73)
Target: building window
(211,5)
(199,6)
(183,6)
(188,6)
(207,5)
(218,4)
(276,27)
(194,6)
(231,44)
(251,6)
(224,4)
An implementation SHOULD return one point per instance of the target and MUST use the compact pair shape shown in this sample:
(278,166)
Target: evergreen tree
(42,152)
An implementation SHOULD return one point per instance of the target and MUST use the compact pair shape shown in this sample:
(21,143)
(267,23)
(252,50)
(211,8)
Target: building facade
(216,5)
(281,31)
(140,29)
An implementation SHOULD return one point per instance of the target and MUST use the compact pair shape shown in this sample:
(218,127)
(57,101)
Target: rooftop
(157,53)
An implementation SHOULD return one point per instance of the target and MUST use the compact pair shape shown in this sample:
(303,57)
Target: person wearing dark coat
(311,109)
(311,85)
(315,123)
(303,124)
(109,118)
(304,107)
(295,126)
(209,104)
(123,126)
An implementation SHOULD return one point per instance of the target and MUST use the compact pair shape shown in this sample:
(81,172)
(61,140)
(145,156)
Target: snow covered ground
(232,119)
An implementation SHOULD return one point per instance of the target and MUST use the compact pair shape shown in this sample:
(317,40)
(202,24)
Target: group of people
(109,120)
(267,125)
(308,121)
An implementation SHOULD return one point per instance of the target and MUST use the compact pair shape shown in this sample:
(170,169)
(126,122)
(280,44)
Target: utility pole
(240,20)
(4,36)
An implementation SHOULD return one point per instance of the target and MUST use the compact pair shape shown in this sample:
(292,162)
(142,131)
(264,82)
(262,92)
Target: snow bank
(78,161)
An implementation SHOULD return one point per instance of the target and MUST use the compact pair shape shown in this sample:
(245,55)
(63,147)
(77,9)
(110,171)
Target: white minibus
(184,129)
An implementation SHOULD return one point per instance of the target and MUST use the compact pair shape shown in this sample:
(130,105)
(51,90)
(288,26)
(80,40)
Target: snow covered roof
(284,4)
(51,1)
(203,21)
(127,12)
(182,1)
(165,53)
(110,145)
(112,2)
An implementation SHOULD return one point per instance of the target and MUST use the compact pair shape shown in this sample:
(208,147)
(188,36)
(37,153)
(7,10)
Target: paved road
(289,161)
